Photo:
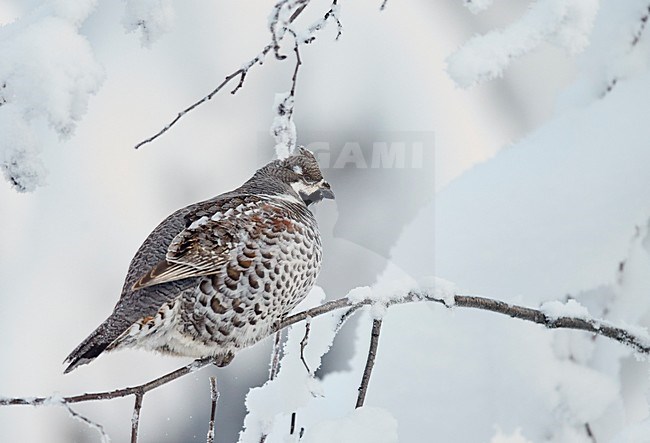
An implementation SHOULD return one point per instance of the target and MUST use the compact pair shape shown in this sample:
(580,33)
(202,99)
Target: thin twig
(214,398)
(331,14)
(303,343)
(135,418)
(294,78)
(292,427)
(275,355)
(99,428)
(636,37)
(118,393)
(243,71)
(592,325)
(370,362)
(279,27)
(383,5)
(349,313)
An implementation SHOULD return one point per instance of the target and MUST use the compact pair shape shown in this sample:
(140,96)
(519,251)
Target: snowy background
(537,190)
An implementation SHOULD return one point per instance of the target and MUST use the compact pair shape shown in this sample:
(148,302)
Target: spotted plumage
(220,275)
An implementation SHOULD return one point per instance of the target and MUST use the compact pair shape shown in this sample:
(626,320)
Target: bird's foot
(222,360)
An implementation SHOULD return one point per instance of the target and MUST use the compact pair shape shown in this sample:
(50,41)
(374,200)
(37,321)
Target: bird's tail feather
(89,349)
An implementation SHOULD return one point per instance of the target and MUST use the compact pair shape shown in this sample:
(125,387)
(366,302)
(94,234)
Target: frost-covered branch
(96,426)
(552,315)
(566,23)
(284,13)
(135,418)
(274,366)
(283,128)
(370,361)
(137,391)
(108,395)
(214,398)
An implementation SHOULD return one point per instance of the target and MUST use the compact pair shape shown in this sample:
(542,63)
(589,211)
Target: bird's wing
(204,246)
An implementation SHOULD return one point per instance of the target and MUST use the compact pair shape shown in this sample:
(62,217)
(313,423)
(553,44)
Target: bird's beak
(326,191)
(323,191)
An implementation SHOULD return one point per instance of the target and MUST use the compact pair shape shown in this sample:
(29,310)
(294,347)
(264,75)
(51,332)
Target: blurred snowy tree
(497,231)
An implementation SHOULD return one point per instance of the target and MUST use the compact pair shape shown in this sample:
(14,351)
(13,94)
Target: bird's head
(300,174)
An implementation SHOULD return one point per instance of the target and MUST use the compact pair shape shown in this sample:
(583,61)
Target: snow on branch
(476,6)
(566,23)
(214,398)
(297,384)
(370,361)
(283,128)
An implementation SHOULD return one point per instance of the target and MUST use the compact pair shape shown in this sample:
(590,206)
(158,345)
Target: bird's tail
(89,349)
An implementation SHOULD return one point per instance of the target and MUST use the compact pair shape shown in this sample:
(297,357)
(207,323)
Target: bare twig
(241,72)
(118,393)
(214,398)
(370,362)
(636,37)
(383,5)
(590,434)
(292,428)
(303,343)
(294,78)
(643,21)
(135,418)
(278,30)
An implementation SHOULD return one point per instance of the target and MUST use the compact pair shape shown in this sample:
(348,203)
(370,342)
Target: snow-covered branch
(214,398)
(552,315)
(370,361)
(566,23)
(135,418)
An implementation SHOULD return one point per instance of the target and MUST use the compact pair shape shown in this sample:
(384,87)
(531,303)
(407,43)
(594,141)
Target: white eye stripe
(306,188)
